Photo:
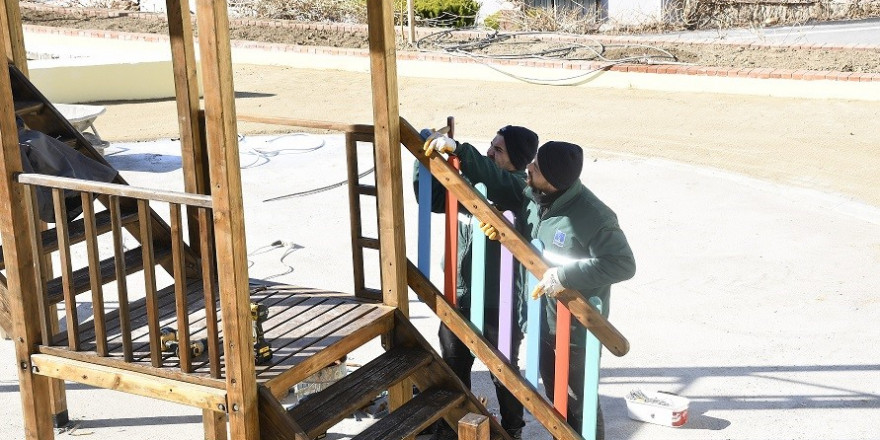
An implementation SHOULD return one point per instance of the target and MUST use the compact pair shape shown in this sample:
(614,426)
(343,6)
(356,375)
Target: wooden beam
(580,308)
(229,231)
(16,231)
(308,123)
(131,382)
(116,189)
(473,427)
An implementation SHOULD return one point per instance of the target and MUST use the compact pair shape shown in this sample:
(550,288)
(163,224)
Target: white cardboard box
(657,407)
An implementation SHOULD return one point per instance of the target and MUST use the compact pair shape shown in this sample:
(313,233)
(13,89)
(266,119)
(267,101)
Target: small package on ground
(657,407)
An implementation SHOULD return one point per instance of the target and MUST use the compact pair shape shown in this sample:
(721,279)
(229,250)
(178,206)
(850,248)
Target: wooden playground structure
(123,348)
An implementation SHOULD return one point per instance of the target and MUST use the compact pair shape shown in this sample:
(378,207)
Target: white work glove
(489,230)
(440,143)
(549,285)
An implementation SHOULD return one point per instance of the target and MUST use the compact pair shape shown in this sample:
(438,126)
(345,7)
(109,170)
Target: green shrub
(493,21)
(457,13)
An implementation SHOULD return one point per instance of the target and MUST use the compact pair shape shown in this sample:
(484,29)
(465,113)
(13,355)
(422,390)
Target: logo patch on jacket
(559,238)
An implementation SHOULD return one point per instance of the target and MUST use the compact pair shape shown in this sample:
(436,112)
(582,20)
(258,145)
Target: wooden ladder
(410,357)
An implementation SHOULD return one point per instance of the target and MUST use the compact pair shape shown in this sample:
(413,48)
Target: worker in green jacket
(502,170)
(587,252)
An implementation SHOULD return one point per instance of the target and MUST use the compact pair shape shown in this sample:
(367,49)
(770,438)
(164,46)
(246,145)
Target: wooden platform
(308,329)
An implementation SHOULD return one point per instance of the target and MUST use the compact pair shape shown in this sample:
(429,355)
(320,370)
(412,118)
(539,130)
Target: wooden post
(21,273)
(389,187)
(10,15)
(473,427)
(193,152)
(229,233)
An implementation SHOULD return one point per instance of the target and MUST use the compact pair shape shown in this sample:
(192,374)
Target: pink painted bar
(505,300)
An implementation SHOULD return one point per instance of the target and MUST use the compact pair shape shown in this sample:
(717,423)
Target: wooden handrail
(580,308)
(308,123)
(115,189)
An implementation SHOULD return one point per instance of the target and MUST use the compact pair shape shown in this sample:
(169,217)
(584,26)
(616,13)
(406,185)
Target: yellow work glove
(440,143)
(489,230)
(549,285)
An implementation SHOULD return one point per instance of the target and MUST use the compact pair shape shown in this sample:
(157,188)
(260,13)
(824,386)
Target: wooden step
(323,410)
(81,283)
(414,416)
(77,231)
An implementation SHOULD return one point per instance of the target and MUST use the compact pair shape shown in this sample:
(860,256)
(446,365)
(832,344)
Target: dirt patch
(534,46)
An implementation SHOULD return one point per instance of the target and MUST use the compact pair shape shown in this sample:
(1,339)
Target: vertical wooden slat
(591,380)
(146,236)
(178,261)
(121,281)
(533,335)
(36,243)
(228,204)
(49,325)
(563,354)
(209,287)
(61,229)
(424,228)
(354,204)
(450,266)
(91,239)
(21,279)
(478,269)
(505,300)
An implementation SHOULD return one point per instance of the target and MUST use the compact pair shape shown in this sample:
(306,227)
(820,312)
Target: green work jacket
(582,238)
(505,190)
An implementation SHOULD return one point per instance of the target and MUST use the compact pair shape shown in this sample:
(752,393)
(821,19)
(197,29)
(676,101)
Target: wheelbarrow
(82,117)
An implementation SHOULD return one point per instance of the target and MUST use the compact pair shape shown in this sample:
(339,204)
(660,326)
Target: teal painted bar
(424,238)
(533,331)
(478,270)
(591,380)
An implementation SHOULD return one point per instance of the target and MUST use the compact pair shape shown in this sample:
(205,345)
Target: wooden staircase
(410,357)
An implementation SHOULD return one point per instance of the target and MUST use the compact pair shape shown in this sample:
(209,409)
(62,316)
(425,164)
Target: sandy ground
(755,223)
(823,144)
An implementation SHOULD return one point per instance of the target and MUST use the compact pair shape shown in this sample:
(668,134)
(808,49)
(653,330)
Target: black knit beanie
(561,163)
(521,144)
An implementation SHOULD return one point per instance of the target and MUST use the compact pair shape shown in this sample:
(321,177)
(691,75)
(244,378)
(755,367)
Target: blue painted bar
(424,238)
(533,331)
(591,380)
(505,298)
(478,269)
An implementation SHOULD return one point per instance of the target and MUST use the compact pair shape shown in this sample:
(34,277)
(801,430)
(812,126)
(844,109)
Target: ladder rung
(366,190)
(367,242)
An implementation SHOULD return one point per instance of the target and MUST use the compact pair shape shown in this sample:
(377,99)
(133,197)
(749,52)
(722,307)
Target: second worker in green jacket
(502,170)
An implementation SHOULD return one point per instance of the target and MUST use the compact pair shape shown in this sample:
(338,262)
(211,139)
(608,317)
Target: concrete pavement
(756,301)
